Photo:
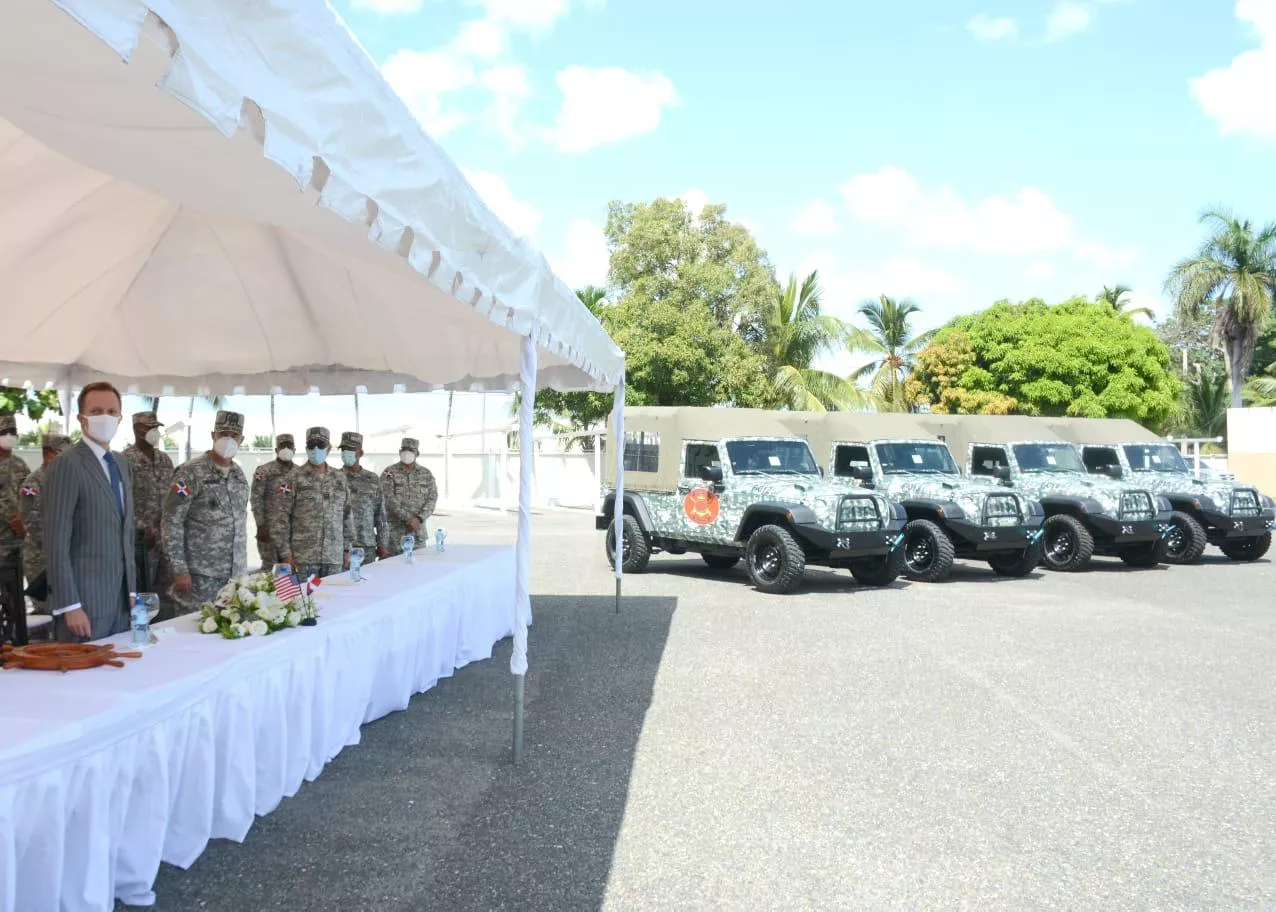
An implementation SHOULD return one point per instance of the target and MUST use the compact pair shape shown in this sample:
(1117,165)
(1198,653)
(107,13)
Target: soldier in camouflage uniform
(266,482)
(13,472)
(313,524)
(33,547)
(152,477)
(371,531)
(206,520)
(410,497)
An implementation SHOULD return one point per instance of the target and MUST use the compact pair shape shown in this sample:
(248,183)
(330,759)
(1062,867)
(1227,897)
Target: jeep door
(701,510)
(852,460)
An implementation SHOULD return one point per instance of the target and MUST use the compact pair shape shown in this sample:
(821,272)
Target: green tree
(795,333)
(1077,358)
(1202,409)
(1116,298)
(15,400)
(1234,272)
(894,349)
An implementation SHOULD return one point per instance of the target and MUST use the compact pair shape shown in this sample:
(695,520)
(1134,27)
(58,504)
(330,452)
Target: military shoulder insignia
(285,488)
(28,490)
(181,489)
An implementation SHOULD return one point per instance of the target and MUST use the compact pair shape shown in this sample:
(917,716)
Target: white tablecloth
(106,772)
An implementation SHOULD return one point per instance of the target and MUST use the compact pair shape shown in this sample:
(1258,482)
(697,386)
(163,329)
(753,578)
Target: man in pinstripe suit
(88,526)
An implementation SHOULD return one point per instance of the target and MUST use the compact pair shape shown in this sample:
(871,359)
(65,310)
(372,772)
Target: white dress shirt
(100,452)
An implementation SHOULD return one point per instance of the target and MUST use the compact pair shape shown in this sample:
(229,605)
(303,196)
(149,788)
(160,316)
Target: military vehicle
(1234,517)
(1085,515)
(948,516)
(732,484)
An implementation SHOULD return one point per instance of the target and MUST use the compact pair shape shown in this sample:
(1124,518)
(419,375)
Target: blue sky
(951,151)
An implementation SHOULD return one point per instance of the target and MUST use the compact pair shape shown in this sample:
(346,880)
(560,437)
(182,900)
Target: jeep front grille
(1245,503)
(1137,505)
(858,514)
(1002,510)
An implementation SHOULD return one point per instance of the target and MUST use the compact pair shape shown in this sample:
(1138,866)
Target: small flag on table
(286,586)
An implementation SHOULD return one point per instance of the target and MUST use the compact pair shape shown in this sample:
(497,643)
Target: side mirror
(711,474)
(863,474)
(1113,471)
(1001,472)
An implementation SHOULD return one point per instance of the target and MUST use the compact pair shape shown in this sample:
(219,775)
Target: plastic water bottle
(409,543)
(141,624)
(439,536)
(356,561)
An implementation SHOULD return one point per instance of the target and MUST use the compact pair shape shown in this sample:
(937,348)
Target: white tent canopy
(272,219)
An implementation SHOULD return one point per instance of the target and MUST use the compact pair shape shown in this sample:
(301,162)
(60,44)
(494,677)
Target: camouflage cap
(146,420)
(410,443)
(57,442)
(318,433)
(351,441)
(285,440)
(228,423)
(8,424)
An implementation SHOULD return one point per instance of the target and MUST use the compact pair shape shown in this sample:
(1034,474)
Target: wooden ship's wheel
(62,656)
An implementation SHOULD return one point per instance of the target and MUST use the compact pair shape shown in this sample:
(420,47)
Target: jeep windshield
(771,457)
(926,458)
(1048,457)
(1155,457)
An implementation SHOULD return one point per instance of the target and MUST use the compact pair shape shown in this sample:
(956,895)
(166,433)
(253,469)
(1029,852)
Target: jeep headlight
(858,514)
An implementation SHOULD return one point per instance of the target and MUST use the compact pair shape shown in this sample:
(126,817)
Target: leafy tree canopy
(1077,358)
(32,403)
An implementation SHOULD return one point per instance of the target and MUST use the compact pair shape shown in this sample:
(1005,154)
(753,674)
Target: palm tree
(592,297)
(890,340)
(1234,274)
(1115,297)
(794,335)
(1261,391)
(1205,405)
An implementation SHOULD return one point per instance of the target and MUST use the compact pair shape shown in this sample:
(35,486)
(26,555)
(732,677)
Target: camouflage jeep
(1232,516)
(948,516)
(732,483)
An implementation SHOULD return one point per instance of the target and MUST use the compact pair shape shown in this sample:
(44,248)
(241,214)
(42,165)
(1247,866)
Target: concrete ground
(1095,741)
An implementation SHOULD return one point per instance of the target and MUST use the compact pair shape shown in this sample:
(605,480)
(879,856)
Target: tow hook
(1033,536)
(896,541)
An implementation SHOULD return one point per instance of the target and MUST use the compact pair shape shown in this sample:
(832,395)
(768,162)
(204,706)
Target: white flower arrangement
(247,607)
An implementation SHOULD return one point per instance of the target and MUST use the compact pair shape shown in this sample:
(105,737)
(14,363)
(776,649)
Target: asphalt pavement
(1092,741)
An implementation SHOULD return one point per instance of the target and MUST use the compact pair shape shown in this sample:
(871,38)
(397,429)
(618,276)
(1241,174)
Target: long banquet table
(106,772)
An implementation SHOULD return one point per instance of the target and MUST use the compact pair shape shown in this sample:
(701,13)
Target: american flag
(286,586)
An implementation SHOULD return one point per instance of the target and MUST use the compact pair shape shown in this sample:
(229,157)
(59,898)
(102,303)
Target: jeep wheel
(721,561)
(1186,542)
(1019,563)
(928,551)
(1144,554)
(775,560)
(1247,549)
(1068,544)
(879,571)
(636,549)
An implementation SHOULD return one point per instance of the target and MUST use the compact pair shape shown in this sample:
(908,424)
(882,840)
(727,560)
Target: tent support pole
(523,546)
(618,505)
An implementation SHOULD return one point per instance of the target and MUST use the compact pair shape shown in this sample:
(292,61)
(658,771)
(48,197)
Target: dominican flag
(286,586)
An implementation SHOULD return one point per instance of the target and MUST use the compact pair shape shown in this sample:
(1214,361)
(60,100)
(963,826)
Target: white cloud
(989,28)
(1240,97)
(608,104)
(485,39)
(816,217)
(522,218)
(529,14)
(695,200)
(1039,270)
(1024,224)
(586,258)
(510,88)
(424,78)
(388,7)
(1067,19)
(899,277)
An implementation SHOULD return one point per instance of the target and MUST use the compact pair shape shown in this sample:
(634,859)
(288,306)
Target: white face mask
(407,457)
(8,441)
(102,428)
(349,458)
(285,455)
(153,437)
(225,447)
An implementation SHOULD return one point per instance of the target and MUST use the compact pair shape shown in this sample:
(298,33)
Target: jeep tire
(1068,544)
(879,571)
(1187,540)
(721,561)
(928,551)
(775,560)
(1019,563)
(637,547)
(1145,554)
(1247,549)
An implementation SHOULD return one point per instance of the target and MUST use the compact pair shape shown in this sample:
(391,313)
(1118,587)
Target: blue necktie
(117,483)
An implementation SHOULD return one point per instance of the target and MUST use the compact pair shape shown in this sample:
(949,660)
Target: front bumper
(980,538)
(1125,532)
(851,545)
(1229,527)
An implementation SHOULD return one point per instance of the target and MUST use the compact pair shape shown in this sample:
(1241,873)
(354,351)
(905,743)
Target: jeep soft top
(736,483)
